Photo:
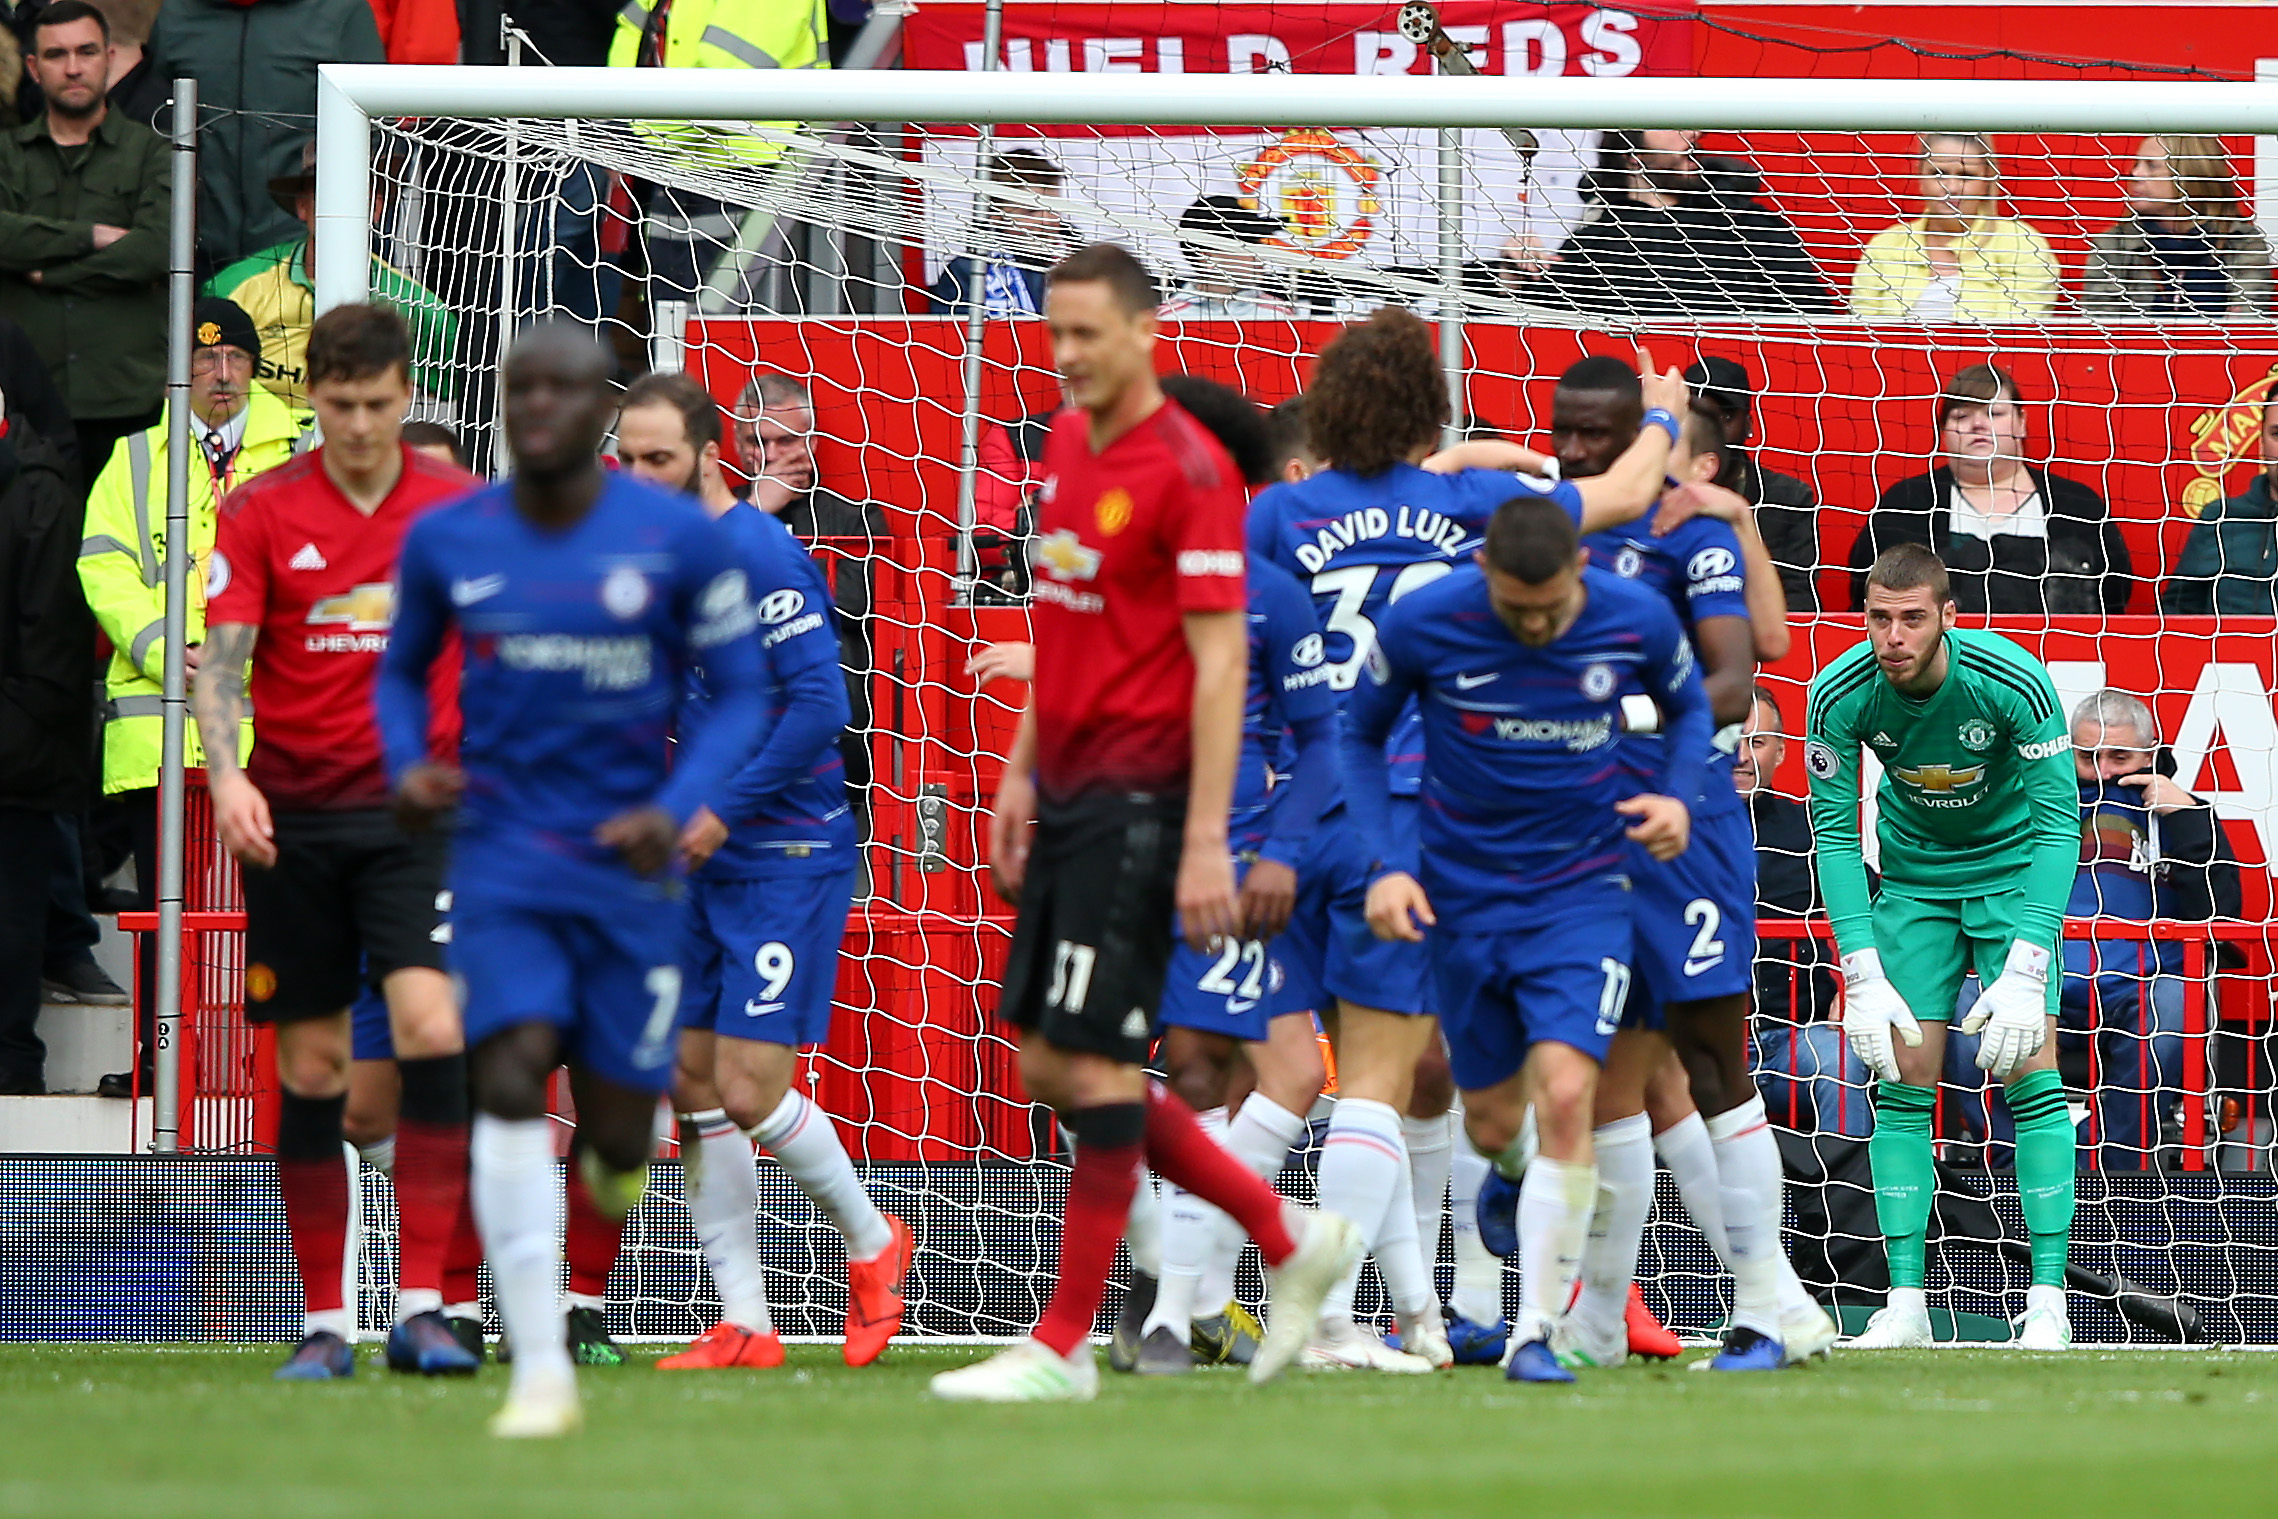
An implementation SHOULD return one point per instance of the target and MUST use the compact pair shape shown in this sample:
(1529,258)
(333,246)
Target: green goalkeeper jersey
(1978,794)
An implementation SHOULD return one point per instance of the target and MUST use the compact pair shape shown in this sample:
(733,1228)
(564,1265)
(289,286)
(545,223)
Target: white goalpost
(815,245)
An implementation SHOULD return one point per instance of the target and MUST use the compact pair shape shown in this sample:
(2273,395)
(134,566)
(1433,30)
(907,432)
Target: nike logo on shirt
(1467,682)
(465,593)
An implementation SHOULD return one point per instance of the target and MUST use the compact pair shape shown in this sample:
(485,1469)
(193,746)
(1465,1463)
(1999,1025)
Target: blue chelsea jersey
(577,643)
(1362,543)
(1521,764)
(788,804)
(1697,570)
(1290,702)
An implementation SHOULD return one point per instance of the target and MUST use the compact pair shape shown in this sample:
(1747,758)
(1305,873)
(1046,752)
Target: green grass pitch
(193,1431)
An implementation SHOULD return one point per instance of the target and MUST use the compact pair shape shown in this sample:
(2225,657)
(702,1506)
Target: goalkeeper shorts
(1928,946)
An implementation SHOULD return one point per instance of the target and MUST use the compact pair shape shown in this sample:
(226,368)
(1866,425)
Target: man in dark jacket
(85,198)
(47,718)
(1787,512)
(775,426)
(255,62)
(2148,849)
(2230,562)
(1673,232)
(2078,568)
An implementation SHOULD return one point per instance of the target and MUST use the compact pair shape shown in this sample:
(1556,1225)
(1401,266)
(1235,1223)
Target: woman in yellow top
(1961,260)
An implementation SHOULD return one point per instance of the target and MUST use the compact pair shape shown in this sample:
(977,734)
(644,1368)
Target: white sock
(1686,1149)
(1914,1302)
(1748,1159)
(463,1311)
(1617,1224)
(1361,1166)
(1260,1137)
(1478,1294)
(804,1142)
(1399,1254)
(1190,1230)
(1429,1152)
(723,1198)
(1555,1202)
(379,1155)
(410,1302)
(518,1205)
(328,1321)
(1143,1230)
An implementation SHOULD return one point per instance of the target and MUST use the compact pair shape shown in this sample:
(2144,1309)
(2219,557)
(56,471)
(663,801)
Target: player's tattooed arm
(241,813)
(217,697)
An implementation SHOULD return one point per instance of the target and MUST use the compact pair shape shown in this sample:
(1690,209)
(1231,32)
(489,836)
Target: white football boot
(1027,1371)
(1330,1246)
(1338,1344)
(2046,1324)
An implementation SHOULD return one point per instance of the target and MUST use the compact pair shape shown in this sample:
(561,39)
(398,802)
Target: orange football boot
(725,1345)
(1647,1336)
(874,1297)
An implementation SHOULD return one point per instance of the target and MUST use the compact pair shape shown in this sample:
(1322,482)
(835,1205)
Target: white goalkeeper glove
(2013,1012)
(1872,1008)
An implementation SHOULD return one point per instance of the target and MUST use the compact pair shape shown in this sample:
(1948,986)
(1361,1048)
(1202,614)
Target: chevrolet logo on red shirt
(1065,556)
(368,608)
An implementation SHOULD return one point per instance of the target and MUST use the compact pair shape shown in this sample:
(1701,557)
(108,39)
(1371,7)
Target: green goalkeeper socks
(2045,1170)
(1899,1153)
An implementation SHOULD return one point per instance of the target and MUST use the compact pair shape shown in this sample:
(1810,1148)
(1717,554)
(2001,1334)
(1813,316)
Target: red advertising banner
(1532,41)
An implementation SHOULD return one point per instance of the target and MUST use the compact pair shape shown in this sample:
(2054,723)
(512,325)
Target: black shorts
(1093,939)
(351,898)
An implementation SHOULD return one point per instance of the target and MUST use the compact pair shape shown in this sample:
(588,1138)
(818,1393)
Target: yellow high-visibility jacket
(122,568)
(727,34)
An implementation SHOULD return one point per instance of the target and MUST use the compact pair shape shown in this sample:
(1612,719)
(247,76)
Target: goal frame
(350,95)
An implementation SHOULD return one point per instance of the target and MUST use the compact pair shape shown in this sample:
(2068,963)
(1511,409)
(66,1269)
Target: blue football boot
(1747,1350)
(1533,1362)
(322,1357)
(1498,1211)
(424,1343)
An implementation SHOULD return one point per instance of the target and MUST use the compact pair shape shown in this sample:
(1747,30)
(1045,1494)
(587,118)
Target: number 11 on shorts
(1071,976)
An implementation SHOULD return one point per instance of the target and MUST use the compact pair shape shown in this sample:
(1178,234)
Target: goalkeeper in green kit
(1980,831)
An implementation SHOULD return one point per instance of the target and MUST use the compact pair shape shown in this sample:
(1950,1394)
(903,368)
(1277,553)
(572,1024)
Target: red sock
(1099,1204)
(1182,1154)
(593,1240)
(316,1213)
(430,1194)
(462,1257)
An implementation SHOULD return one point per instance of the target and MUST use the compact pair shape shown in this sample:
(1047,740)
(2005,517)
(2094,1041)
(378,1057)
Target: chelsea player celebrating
(1520,664)
(580,600)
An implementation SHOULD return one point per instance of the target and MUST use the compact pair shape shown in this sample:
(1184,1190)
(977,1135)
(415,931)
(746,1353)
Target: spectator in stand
(2185,249)
(436,441)
(84,216)
(686,233)
(2229,566)
(2148,849)
(255,62)
(1015,240)
(1786,510)
(47,714)
(1228,283)
(775,423)
(2015,537)
(1810,1079)
(239,430)
(1672,231)
(133,89)
(1961,260)
(277,288)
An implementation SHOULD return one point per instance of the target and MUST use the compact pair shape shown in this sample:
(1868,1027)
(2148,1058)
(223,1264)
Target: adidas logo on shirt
(306,558)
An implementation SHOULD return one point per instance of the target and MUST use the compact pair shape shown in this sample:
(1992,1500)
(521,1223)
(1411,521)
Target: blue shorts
(760,959)
(370,1035)
(1328,949)
(1563,979)
(608,979)
(1695,920)
(1232,990)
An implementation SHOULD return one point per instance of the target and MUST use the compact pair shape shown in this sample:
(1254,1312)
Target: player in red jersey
(301,589)
(1125,762)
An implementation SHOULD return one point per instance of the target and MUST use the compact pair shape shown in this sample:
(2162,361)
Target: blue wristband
(1662,417)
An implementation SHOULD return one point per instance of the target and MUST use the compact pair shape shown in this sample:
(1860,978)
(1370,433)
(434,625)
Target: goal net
(860,291)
